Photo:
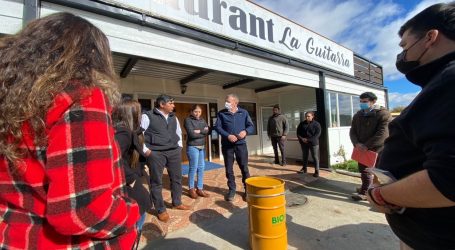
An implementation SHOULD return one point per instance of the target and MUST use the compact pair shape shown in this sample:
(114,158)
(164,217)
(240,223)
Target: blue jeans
(196,159)
(140,222)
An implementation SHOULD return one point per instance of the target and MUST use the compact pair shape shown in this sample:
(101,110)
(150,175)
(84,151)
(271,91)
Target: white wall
(11,12)
(344,86)
(137,40)
(293,103)
(339,137)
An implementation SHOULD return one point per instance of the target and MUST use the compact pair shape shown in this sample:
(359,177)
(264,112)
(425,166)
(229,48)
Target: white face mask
(228,105)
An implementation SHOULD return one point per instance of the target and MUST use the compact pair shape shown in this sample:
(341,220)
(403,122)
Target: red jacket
(70,194)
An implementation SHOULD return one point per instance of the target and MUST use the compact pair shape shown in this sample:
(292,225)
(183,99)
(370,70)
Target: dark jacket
(277,126)
(228,123)
(370,128)
(161,135)
(309,130)
(128,142)
(423,137)
(191,124)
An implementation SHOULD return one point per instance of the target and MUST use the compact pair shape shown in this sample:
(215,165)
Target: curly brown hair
(41,61)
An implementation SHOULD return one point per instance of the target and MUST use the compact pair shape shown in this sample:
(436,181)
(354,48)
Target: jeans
(277,142)
(196,159)
(157,161)
(366,177)
(241,156)
(314,150)
(140,222)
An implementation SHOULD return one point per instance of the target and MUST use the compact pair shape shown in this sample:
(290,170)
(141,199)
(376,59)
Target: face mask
(364,106)
(406,66)
(228,105)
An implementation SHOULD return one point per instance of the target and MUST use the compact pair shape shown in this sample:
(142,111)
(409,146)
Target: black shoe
(276,162)
(359,197)
(302,171)
(230,195)
(283,164)
(244,196)
(316,175)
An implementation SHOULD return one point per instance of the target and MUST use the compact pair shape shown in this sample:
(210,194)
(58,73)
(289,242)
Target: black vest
(161,135)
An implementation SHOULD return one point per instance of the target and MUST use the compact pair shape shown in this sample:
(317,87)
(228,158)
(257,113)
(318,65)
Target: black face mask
(406,66)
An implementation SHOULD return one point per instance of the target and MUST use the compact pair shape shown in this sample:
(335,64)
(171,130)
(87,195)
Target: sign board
(249,23)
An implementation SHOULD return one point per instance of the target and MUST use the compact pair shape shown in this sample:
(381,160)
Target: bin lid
(264,182)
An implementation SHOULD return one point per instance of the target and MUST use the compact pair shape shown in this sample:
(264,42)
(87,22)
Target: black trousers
(241,156)
(277,142)
(314,150)
(157,161)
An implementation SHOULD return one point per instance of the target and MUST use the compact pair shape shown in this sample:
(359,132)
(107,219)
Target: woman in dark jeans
(196,129)
(128,134)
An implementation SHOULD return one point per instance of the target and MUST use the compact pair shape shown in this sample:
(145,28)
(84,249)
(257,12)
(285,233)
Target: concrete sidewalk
(328,220)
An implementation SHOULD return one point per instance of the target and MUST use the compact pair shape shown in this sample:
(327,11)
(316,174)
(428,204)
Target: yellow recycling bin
(267,213)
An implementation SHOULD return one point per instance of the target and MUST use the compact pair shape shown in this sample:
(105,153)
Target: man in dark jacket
(277,130)
(420,151)
(308,133)
(163,141)
(368,132)
(233,124)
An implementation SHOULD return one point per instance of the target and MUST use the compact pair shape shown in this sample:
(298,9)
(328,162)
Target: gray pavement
(328,220)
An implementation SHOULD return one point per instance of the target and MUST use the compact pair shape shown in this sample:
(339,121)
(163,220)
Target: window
(342,108)
(251,108)
(345,108)
(333,109)
(355,104)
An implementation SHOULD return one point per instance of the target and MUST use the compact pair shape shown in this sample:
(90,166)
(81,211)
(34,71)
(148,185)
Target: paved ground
(328,220)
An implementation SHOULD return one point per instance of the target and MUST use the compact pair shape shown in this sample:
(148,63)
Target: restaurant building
(198,51)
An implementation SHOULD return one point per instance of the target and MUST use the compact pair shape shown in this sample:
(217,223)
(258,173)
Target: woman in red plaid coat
(61,183)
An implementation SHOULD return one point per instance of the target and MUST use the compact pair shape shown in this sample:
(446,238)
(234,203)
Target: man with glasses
(368,132)
(163,148)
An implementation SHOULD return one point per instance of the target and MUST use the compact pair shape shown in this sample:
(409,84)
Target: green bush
(350,166)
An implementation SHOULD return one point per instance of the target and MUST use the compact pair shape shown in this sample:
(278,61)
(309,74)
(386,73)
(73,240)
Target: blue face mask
(364,106)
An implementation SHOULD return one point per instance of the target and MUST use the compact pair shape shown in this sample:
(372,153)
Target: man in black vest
(163,148)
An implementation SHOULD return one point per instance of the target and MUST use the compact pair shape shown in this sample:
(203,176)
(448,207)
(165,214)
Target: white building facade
(198,51)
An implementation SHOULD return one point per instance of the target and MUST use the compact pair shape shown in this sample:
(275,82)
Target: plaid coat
(70,194)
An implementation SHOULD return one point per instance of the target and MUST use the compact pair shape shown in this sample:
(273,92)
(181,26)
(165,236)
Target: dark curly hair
(42,60)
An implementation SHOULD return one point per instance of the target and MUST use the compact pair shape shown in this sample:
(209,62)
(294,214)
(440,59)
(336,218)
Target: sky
(367,27)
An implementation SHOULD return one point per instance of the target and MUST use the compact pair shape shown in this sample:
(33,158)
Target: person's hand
(148,153)
(376,207)
(378,203)
(232,138)
(283,138)
(206,128)
(242,134)
(361,146)
(305,140)
(197,131)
